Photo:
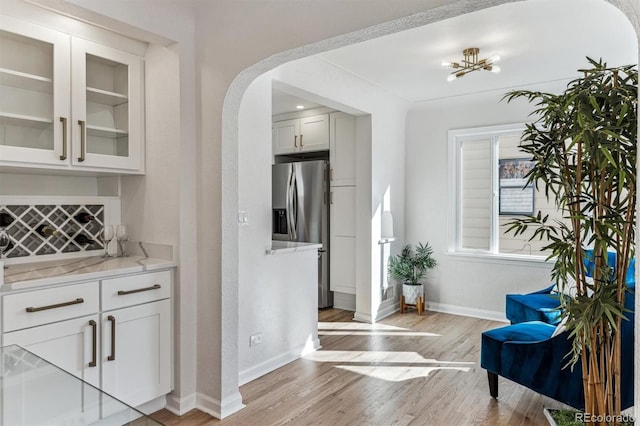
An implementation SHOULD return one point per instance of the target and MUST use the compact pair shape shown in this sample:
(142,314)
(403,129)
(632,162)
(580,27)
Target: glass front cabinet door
(34,93)
(66,102)
(106,106)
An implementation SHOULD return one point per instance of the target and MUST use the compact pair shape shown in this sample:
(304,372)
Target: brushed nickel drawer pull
(57,305)
(138,290)
(94,343)
(112,319)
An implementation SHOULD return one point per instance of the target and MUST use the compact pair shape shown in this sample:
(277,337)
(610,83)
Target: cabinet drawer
(39,307)
(135,289)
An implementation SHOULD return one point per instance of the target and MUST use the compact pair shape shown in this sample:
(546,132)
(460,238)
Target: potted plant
(584,144)
(410,266)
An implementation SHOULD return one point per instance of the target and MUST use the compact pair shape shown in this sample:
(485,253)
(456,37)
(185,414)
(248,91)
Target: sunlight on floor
(395,374)
(406,368)
(391,366)
(363,329)
(376,356)
(358,326)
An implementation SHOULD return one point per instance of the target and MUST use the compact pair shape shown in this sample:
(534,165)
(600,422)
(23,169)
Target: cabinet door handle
(331,197)
(112,319)
(295,141)
(83,141)
(331,174)
(139,290)
(64,138)
(301,145)
(94,356)
(57,305)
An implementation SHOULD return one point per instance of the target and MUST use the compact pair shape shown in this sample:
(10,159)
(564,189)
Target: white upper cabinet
(314,133)
(67,102)
(305,134)
(285,136)
(342,155)
(34,92)
(106,106)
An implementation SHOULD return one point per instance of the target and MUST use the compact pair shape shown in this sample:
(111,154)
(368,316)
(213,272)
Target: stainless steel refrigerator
(301,212)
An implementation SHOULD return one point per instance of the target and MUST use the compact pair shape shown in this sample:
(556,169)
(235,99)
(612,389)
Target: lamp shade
(387,224)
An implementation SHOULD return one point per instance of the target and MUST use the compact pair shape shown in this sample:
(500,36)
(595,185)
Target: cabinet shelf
(106,132)
(25,81)
(106,97)
(24,121)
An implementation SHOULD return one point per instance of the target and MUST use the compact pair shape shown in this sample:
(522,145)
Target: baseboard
(219,409)
(276,362)
(359,316)
(466,311)
(344,301)
(180,406)
(389,309)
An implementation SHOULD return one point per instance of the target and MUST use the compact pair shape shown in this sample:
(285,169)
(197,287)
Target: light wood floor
(405,370)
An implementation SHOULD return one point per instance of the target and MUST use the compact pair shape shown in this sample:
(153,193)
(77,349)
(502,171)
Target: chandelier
(471,63)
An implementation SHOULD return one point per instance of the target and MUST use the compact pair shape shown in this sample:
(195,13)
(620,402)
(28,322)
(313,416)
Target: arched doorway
(231,158)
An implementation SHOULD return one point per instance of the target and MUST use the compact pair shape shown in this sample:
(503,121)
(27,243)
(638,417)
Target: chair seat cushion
(492,341)
(533,307)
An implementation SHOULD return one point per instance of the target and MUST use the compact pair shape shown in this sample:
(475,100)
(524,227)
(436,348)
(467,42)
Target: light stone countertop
(37,274)
(278,247)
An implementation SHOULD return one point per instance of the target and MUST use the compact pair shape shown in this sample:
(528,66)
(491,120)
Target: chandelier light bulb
(452,77)
(495,68)
(495,58)
(446,64)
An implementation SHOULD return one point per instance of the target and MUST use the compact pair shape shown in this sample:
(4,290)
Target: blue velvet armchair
(526,353)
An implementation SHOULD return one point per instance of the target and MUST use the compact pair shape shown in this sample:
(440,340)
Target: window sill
(501,258)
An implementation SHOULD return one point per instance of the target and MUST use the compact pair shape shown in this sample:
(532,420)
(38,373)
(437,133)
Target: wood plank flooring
(405,370)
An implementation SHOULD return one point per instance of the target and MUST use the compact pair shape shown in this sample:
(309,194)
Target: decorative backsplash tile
(63,218)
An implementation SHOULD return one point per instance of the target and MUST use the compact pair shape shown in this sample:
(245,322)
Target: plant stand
(419,305)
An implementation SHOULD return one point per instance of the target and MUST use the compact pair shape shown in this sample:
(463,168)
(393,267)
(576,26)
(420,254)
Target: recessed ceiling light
(299,106)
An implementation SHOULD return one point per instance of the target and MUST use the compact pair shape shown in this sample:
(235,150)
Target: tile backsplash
(63,218)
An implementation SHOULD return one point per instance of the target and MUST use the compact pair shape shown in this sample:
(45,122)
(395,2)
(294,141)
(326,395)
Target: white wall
(460,284)
(277,292)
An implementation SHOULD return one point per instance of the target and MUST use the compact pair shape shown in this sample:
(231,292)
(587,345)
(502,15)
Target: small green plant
(411,266)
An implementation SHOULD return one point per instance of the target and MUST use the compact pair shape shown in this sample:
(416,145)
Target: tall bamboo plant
(584,142)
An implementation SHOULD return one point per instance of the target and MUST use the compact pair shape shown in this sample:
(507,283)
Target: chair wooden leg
(402,304)
(493,384)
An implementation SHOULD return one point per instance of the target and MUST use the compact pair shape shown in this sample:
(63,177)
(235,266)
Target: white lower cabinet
(122,345)
(136,363)
(72,345)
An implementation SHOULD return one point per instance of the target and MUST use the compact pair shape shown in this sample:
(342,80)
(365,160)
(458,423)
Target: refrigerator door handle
(291,204)
(294,206)
(288,202)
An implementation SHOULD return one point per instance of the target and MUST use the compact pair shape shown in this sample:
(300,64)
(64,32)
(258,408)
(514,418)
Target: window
(487,191)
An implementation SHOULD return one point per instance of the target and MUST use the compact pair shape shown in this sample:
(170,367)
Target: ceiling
(538,41)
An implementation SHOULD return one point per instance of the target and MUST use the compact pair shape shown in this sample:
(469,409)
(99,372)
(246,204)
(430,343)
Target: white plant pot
(412,292)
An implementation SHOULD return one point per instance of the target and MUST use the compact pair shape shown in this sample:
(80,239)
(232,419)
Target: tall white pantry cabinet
(68,103)
(342,178)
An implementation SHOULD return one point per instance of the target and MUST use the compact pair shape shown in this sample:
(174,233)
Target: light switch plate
(243,217)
